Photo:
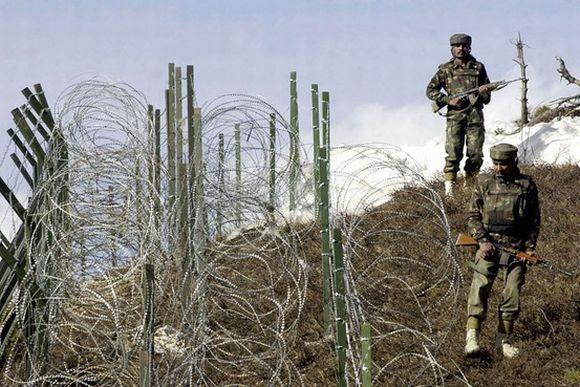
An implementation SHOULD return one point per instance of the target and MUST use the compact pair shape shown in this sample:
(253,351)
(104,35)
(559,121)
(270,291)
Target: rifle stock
(465,240)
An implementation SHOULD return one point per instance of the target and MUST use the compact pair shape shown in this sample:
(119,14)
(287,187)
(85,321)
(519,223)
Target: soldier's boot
(502,340)
(449,187)
(504,347)
(471,342)
(470,178)
(450,178)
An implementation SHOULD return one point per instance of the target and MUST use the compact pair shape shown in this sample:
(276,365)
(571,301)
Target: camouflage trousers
(464,127)
(484,275)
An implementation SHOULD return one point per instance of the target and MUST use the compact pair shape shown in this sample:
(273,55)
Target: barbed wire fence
(233,314)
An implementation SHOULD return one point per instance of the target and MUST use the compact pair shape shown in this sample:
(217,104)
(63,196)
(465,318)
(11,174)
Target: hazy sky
(375,57)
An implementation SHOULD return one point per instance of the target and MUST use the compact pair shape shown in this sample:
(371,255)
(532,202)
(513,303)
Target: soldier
(464,115)
(503,212)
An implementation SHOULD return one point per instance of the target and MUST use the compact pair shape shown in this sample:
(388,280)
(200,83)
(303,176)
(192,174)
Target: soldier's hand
(486,250)
(454,101)
(484,89)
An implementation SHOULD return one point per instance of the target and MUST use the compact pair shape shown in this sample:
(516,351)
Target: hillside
(548,330)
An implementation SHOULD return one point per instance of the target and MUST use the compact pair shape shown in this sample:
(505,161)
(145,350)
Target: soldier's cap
(503,152)
(460,38)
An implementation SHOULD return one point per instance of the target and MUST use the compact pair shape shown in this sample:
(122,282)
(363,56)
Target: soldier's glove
(486,250)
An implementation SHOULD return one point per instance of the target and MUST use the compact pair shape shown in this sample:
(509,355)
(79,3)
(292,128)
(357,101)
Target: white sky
(375,57)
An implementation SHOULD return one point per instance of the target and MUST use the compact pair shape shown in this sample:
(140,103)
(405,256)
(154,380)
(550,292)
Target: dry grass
(547,331)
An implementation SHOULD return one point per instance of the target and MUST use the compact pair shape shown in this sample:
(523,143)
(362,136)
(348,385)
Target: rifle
(492,86)
(465,240)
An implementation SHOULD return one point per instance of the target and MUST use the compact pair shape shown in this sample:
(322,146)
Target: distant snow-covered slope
(557,142)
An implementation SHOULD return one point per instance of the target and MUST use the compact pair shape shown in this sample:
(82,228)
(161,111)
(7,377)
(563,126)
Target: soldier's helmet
(503,152)
(460,39)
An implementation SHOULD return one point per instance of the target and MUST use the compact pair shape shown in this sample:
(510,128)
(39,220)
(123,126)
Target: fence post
(326,120)
(272,161)
(294,140)
(315,144)
(158,160)
(340,302)
(238,151)
(178,155)
(147,349)
(170,115)
(29,136)
(221,183)
(366,355)
(325,234)
(191,123)
(170,152)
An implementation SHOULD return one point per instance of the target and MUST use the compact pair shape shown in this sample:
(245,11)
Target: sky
(374,57)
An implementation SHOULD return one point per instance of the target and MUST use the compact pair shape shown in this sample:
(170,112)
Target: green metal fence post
(29,136)
(238,152)
(272,179)
(189,262)
(181,172)
(147,349)
(170,106)
(326,118)
(315,144)
(37,124)
(12,200)
(325,235)
(157,169)
(170,151)
(294,141)
(39,104)
(22,169)
(366,355)
(340,302)
(221,184)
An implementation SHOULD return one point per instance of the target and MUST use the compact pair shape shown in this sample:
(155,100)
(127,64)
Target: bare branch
(564,73)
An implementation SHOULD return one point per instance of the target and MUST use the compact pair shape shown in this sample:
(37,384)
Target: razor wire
(237,318)
(402,274)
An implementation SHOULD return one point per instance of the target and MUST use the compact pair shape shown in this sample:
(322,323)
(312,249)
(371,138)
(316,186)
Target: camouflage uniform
(504,210)
(464,122)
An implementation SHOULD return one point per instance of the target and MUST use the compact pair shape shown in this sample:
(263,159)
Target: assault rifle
(465,240)
(492,86)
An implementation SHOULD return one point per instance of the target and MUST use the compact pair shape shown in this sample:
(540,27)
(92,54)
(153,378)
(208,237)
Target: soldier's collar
(508,178)
(470,62)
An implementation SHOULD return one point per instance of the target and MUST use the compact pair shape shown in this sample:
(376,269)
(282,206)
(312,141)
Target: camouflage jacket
(506,210)
(454,79)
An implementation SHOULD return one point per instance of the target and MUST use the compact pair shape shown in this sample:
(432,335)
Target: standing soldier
(464,115)
(504,213)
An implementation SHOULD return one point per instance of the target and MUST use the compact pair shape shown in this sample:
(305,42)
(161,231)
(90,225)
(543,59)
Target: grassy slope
(548,329)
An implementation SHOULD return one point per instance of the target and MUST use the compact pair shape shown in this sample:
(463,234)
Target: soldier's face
(504,168)
(461,50)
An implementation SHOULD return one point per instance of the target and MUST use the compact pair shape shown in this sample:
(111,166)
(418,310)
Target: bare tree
(524,119)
